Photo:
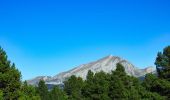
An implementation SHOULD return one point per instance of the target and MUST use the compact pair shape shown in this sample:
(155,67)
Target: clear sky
(45,37)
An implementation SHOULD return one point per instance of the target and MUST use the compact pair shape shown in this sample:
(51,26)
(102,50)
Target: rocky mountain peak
(150,69)
(106,64)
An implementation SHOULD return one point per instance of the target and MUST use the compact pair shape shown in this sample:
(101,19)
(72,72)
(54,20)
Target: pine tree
(73,87)
(161,84)
(89,76)
(123,86)
(10,77)
(28,92)
(163,63)
(96,86)
(155,84)
(117,88)
(57,94)
(88,88)
(43,90)
(1,95)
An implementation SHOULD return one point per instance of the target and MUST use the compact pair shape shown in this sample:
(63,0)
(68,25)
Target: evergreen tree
(1,95)
(88,88)
(28,92)
(117,88)
(73,87)
(89,76)
(57,94)
(163,63)
(101,85)
(160,84)
(123,86)
(141,92)
(43,90)
(10,78)
(154,84)
(96,86)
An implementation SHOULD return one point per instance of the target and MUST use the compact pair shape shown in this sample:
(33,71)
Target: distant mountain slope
(106,64)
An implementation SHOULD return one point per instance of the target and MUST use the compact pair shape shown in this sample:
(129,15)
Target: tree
(117,88)
(123,86)
(161,84)
(96,86)
(1,95)
(10,77)
(155,84)
(43,90)
(89,76)
(163,63)
(73,87)
(28,92)
(88,85)
(57,94)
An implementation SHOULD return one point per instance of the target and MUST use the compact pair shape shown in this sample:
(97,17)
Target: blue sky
(45,37)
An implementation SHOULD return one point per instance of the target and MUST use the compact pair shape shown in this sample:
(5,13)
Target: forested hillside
(99,86)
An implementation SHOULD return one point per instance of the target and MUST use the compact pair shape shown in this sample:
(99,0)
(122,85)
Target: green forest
(99,86)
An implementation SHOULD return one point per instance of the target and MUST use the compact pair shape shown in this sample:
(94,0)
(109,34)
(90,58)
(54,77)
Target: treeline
(98,86)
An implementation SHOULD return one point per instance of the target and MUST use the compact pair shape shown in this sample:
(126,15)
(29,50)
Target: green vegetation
(73,87)
(43,90)
(28,92)
(98,86)
(57,94)
(160,84)
(163,64)
(9,78)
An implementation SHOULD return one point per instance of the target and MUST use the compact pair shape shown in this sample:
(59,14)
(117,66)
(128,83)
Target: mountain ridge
(106,64)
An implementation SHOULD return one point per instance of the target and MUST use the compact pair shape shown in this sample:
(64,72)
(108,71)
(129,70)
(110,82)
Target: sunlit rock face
(36,80)
(106,64)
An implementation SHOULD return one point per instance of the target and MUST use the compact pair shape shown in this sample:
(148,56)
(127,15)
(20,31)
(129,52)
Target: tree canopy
(163,63)
(10,77)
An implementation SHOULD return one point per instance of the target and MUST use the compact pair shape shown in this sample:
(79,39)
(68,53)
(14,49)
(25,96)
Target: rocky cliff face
(106,64)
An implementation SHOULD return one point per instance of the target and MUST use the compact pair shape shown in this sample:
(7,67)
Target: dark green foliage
(120,69)
(28,92)
(96,86)
(73,87)
(127,87)
(88,86)
(163,63)
(89,76)
(57,94)
(10,77)
(101,85)
(43,90)
(1,95)
(154,84)
(115,86)
(160,84)
(123,86)
(141,92)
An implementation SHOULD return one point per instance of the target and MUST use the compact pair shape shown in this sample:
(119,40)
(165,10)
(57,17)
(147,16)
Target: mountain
(106,64)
